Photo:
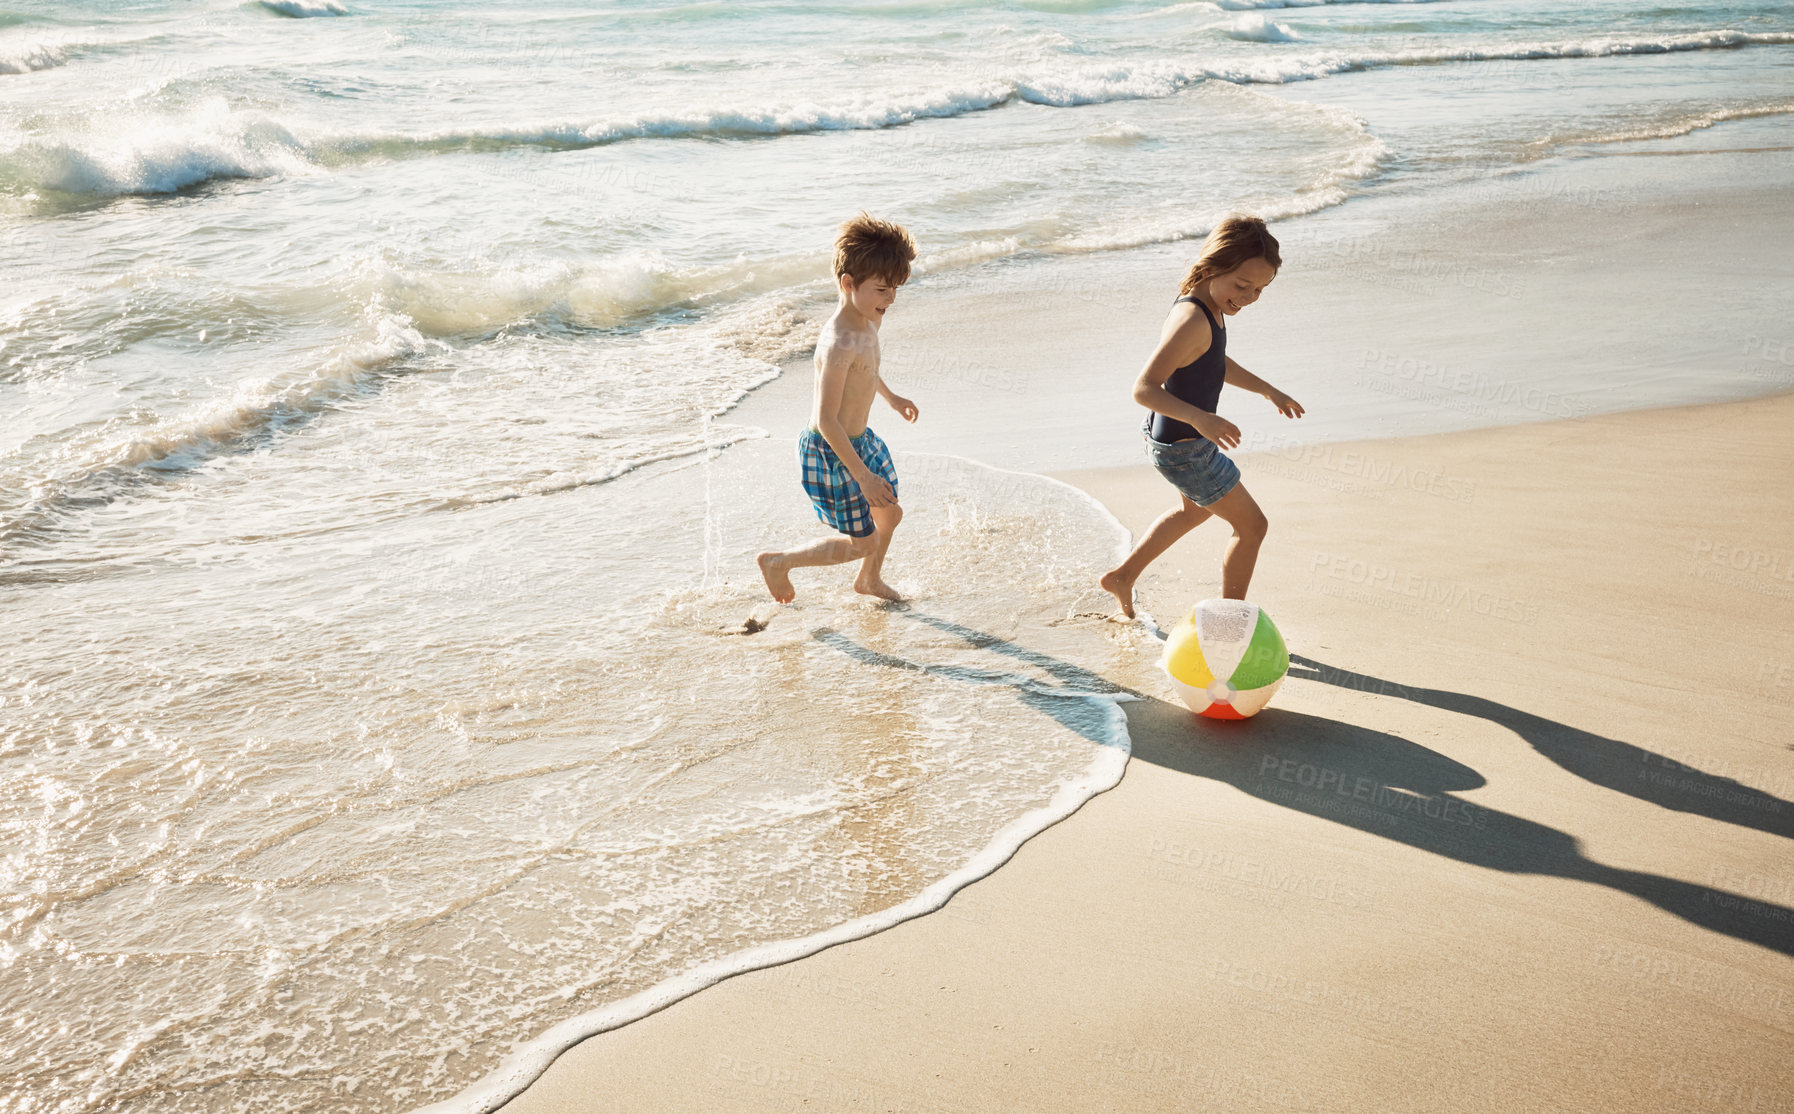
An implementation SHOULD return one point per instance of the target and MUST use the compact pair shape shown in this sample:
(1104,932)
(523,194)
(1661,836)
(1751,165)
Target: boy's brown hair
(872,248)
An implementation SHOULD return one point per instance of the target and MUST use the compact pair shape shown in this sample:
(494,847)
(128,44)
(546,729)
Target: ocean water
(377,711)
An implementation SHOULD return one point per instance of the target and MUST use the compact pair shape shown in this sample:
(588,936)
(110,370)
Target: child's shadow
(1609,763)
(1369,780)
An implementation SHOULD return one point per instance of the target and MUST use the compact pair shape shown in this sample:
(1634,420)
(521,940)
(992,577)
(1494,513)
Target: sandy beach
(1511,837)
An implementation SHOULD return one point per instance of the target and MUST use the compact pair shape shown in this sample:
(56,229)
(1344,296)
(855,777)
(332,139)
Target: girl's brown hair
(1237,239)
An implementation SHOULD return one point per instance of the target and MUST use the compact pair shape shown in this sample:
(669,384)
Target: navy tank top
(1197,382)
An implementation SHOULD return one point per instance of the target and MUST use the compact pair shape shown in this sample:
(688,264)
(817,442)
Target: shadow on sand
(1373,781)
(1609,763)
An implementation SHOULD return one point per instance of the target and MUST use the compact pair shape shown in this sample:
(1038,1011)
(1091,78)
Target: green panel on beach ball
(1266,659)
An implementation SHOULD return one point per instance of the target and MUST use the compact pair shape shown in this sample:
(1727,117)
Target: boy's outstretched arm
(830,387)
(1245,380)
(897,402)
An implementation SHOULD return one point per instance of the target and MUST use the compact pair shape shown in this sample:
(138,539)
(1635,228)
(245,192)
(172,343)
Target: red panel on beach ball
(1221,711)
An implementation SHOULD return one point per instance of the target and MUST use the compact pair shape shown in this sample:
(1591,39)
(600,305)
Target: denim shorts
(1195,467)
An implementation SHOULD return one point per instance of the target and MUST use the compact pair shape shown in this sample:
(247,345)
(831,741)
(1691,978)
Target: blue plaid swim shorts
(839,502)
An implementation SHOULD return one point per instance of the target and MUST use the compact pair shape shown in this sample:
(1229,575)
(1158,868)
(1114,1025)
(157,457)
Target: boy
(847,470)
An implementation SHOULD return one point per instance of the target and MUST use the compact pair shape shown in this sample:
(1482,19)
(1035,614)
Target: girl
(1181,384)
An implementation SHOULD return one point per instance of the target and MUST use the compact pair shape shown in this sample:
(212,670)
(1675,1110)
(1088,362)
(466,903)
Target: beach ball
(1226,659)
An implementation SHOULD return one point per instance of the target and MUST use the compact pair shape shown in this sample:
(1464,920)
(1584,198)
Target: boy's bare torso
(859,346)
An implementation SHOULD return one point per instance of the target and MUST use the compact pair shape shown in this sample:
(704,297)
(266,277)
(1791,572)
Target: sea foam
(89,464)
(1261,29)
(1308,67)
(1665,127)
(304,9)
(1248,5)
(148,154)
(23,55)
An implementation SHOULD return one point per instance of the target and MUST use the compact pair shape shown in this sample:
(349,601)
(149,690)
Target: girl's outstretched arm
(1245,380)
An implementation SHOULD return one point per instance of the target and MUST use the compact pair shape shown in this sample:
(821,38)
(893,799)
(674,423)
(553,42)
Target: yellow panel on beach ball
(1183,655)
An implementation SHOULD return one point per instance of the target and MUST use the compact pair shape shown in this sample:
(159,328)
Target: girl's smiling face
(1236,289)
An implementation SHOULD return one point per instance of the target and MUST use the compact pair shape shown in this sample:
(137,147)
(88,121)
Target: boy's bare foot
(1122,588)
(875,586)
(778,579)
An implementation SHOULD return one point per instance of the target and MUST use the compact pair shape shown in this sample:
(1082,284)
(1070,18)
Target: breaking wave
(147,154)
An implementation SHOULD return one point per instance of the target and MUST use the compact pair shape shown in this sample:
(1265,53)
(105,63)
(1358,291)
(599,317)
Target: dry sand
(1513,836)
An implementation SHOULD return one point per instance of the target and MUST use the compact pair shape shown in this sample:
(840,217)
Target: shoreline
(1420,590)
(1221,923)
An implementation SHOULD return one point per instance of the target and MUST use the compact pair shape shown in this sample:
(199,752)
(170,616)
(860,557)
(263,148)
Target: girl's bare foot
(875,586)
(1121,586)
(778,579)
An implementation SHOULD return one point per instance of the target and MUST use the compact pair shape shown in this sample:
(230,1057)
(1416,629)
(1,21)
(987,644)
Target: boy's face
(870,297)
(1240,287)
